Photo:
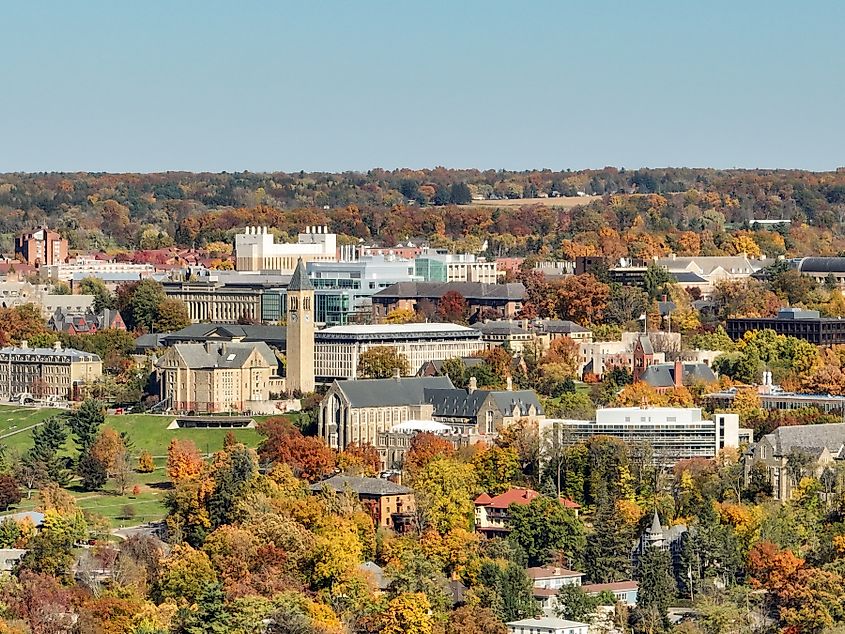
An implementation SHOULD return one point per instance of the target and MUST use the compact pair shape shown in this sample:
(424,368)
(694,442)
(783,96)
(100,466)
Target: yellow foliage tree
(400,316)
(146,464)
(407,613)
(184,460)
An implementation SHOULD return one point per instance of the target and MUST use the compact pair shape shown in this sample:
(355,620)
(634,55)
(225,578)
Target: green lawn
(148,432)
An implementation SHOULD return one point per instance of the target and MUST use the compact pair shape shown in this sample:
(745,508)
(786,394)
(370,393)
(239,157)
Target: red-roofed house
(491,512)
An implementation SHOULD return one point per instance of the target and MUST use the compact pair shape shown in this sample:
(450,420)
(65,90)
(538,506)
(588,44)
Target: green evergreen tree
(210,616)
(608,552)
(656,585)
(91,471)
(229,483)
(85,423)
(544,527)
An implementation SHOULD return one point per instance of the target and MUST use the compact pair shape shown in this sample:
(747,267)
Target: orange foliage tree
(308,457)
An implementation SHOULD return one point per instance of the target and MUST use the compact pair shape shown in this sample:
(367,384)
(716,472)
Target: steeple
(655,524)
(300,281)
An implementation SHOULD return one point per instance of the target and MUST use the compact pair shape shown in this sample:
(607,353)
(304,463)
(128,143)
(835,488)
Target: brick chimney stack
(679,373)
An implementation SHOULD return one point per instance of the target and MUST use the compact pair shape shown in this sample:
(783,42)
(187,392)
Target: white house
(546,625)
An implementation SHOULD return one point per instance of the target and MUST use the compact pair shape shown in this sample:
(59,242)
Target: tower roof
(300,281)
(655,524)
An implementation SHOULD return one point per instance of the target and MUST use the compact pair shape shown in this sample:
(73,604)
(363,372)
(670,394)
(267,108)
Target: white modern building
(338,349)
(546,625)
(438,265)
(83,267)
(257,250)
(672,433)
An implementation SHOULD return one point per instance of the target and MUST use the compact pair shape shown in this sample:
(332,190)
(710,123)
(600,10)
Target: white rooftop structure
(411,426)
(546,625)
(257,250)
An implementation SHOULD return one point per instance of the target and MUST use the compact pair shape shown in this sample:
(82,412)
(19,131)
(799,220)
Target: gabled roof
(222,354)
(274,335)
(615,586)
(361,486)
(558,325)
(391,392)
(458,403)
(469,362)
(300,281)
(807,437)
(645,342)
(663,374)
(501,328)
(516,495)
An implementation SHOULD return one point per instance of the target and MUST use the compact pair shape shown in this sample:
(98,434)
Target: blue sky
(263,86)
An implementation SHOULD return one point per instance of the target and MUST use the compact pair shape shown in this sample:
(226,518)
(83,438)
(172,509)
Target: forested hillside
(640,213)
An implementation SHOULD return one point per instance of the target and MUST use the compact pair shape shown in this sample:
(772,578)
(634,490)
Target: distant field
(566,202)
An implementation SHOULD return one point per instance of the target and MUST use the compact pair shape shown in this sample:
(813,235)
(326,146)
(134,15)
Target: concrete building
(83,267)
(438,265)
(673,433)
(218,377)
(483,300)
(773,397)
(793,322)
(822,270)
(390,505)
(41,247)
(47,373)
(257,250)
(338,349)
(821,446)
(300,353)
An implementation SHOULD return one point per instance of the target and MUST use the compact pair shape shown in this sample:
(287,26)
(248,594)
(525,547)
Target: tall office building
(256,249)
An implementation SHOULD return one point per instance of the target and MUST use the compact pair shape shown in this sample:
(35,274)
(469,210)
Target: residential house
(86,323)
(668,538)
(492,518)
(390,505)
(625,592)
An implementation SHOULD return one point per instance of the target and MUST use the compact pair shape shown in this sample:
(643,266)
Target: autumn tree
(445,490)
(307,456)
(469,619)
(406,613)
(184,573)
(146,464)
(359,459)
(171,315)
(453,307)
(10,491)
(425,447)
(496,469)
(184,461)
(582,299)
(400,316)
(381,362)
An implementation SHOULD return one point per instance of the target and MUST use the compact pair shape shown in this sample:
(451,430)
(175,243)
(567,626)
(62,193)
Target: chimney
(508,384)
(679,373)
(57,346)
(396,375)
(473,385)
(24,344)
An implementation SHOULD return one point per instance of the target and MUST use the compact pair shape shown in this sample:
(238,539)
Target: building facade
(483,300)
(217,377)
(257,250)
(338,348)
(47,373)
(390,505)
(793,322)
(438,265)
(41,247)
(300,332)
(492,518)
(673,433)
(83,267)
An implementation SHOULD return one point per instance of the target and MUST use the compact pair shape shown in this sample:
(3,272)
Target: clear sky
(262,86)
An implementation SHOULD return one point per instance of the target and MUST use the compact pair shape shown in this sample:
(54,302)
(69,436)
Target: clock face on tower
(293,317)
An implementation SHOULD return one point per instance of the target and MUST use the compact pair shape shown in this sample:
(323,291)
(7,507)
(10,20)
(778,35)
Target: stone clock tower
(300,331)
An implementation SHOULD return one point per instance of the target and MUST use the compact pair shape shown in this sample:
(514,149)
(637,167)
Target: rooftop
(548,622)
(514,291)
(361,486)
(516,495)
(391,392)
(551,572)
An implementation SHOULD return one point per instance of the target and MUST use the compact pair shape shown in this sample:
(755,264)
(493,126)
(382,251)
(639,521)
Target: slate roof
(469,362)
(687,277)
(708,264)
(458,403)
(646,343)
(391,392)
(559,325)
(807,437)
(513,291)
(361,486)
(376,572)
(222,354)
(151,341)
(663,374)
(273,335)
(501,328)
(300,281)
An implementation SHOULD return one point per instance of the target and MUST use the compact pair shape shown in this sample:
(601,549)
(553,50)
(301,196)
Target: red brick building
(41,247)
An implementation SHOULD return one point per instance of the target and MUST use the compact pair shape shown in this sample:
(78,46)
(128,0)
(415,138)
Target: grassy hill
(147,432)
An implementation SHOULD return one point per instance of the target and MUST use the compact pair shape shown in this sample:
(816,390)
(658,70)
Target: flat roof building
(338,349)
(793,322)
(673,433)
(257,250)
